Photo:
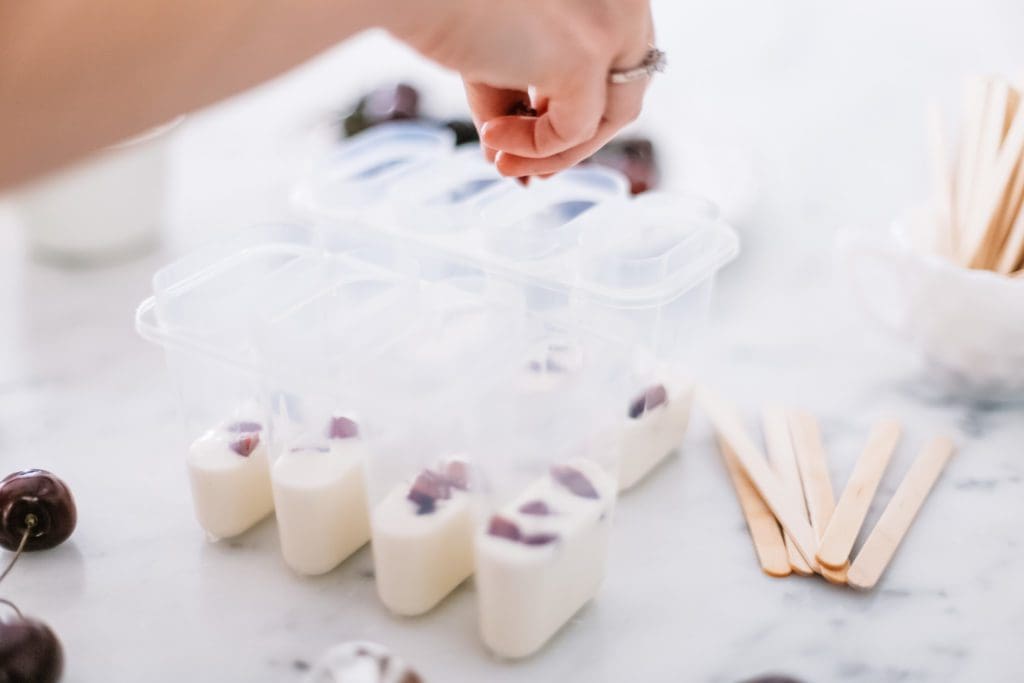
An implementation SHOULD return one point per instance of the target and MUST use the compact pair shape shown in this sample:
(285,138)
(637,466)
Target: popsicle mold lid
(577,232)
(355,173)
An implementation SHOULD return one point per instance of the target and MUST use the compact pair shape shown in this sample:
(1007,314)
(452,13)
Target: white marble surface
(802,117)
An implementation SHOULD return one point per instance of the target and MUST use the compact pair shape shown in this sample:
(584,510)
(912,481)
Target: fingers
(623,106)
(487,103)
(574,113)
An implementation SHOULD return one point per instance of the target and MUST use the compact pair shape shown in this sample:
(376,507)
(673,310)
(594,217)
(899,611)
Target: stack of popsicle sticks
(980,195)
(788,501)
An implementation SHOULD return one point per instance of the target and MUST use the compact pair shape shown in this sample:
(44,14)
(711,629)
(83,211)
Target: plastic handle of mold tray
(150,329)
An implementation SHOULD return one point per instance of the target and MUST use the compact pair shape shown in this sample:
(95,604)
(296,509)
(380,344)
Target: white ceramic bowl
(967,325)
(102,209)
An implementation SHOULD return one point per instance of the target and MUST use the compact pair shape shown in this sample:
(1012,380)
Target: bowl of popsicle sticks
(949,278)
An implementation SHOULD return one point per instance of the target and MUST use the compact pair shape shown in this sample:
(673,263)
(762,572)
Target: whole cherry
(36,509)
(29,650)
(37,512)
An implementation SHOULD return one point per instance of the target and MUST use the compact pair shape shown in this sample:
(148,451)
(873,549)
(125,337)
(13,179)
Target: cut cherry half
(456,473)
(39,504)
(648,401)
(539,539)
(428,488)
(245,444)
(535,507)
(574,480)
(504,528)
(342,428)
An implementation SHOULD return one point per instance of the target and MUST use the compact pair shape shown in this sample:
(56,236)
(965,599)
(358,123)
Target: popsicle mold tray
(429,334)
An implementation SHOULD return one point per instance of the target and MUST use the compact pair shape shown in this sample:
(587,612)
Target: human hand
(552,55)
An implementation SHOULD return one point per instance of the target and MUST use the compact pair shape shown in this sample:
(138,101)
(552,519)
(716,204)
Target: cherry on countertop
(29,652)
(36,499)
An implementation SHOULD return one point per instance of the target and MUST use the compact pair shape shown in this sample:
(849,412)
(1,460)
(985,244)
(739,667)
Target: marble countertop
(801,120)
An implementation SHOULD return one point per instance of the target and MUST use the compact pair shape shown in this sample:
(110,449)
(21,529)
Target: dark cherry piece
(521,108)
(38,499)
(432,484)
(390,103)
(29,652)
(342,428)
(424,504)
(244,427)
(428,488)
(504,528)
(465,131)
(456,473)
(539,539)
(245,444)
(634,158)
(574,480)
(535,507)
(650,399)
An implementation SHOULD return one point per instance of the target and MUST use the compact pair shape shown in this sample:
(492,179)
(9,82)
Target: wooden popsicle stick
(1003,220)
(1013,248)
(729,425)
(810,457)
(983,226)
(764,530)
(942,182)
(994,125)
(892,526)
(817,484)
(968,157)
(836,576)
(783,460)
(992,188)
(842,529)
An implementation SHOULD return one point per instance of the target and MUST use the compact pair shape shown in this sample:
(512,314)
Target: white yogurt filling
(320,499)
(543,556)
(654,427)
(230,478)
(423,539)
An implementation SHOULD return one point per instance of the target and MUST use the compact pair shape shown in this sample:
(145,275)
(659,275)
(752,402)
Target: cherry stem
(30,524)
(13,607)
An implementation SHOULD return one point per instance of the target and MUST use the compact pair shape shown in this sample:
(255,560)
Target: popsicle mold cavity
(653,427)
(230,478)
(354,174)
(423,538)
(536,569)
(320,500)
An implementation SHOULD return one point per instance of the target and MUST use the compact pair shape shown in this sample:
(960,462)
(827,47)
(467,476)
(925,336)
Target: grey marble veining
(139,595)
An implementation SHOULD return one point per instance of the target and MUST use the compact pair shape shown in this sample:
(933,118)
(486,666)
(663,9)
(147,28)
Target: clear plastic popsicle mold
(203,311)
(420,470)
(444,197)
(318,388)
(468,370)
(356,173)
(641,267)
(548,451)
